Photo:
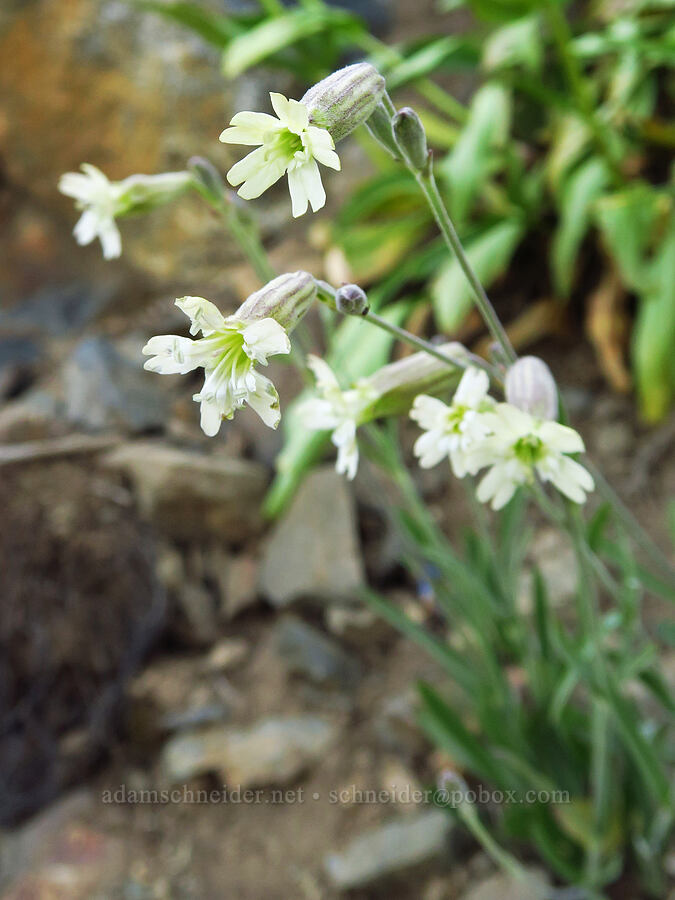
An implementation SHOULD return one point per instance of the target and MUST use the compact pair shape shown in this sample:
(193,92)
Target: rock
(396,725)
(553,555)
(191,496)
(307,652)
(18,360)
(390,850)
(272,751)
(58,856)
(58,311)
(197,618)
(105,388)
(237,580)
(314,551)
(145,96)
(227,654)
(358,625)
(32,417)
(504,887)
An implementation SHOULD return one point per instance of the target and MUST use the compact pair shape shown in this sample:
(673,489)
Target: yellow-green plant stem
(429,188)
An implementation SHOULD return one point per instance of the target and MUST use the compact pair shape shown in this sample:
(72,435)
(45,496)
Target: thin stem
(248,240)
(463,362)
(429,188)
(509,863)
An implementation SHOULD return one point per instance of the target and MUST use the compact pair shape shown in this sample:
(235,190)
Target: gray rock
(19,357)
(273,751)
(314,551)
(396,725)
(306,651)
(504,887)
(390,850)
(190,496)
(105,388)
(58,311)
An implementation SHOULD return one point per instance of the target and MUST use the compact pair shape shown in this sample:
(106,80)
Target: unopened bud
(411,138)
(142,193)
(530,386)
(380,126)
(285,299)
(345,99)
(397,384)
(351,300)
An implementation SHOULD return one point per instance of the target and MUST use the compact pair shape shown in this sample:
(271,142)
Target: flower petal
(472,388)
(264,400)
(561,437)
(204,315)
(293,114)
(111,239)
(263,338)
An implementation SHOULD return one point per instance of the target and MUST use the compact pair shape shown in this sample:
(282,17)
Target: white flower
(337,411)
(520,446)
(287,144)
(228,350)
(454,430)
(98,198)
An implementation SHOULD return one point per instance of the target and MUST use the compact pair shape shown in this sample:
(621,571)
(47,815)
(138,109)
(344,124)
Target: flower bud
(397,384)
(142,193)
(351,300)
(285,299)
(381,128)
(530,386)
(411,138)
(345,99)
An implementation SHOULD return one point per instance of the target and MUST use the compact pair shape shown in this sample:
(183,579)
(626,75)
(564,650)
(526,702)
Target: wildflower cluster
(475,433)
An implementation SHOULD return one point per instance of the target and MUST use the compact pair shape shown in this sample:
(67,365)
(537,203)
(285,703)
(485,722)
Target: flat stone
(57,854)
(307,652)
(191,496)
(314,550)
(390,850)
(504,887)
(106,388)
(272,751)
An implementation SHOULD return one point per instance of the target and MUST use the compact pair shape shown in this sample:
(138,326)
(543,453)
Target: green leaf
(446,728)
(654,335)
(516,44)
(569,143)
(477,153)
(489,254)
(216,29)
(273,35)
(578,194)
(626,221)
(428,58)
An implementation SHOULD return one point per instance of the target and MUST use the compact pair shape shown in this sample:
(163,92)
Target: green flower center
(286,143)
(529,449)
(455,417)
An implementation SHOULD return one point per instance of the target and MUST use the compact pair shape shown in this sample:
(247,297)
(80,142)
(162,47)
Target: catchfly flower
(98,198)
(454,430)
(521,446)
(337,411)
(102,201)
(287,144)
(227,351)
